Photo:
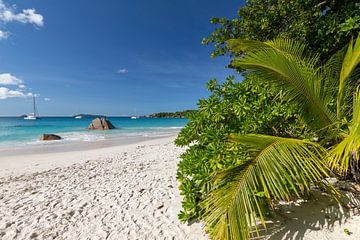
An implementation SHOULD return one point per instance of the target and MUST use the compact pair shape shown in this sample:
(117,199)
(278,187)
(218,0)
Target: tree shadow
(320,211)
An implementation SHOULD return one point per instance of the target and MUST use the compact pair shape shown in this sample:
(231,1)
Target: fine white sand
(125,192)
(318,218)
(130,192)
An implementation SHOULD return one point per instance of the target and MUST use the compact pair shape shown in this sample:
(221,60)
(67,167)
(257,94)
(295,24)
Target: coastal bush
(282,168)
(233,107)
(325,26)
(228,135)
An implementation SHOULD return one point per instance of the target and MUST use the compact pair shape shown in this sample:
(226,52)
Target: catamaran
(32,116)
(135,116)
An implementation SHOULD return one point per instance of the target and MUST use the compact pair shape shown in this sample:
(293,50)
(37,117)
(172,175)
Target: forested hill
(181,114)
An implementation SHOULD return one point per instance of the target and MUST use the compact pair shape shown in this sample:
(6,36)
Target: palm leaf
(332,69)
(279,169)
(281,62)
(287,46)
(349,147)
(350,62)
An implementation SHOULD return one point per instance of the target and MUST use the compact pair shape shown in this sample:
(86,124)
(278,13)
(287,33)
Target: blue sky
(107,57)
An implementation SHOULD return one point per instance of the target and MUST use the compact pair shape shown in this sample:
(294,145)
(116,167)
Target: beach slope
(125,192)
(130,192)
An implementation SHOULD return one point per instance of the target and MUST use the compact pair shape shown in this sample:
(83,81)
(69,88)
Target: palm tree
(283,168)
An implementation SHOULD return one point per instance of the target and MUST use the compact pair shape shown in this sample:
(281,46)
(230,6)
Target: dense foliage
(233,107)
(326,26)
(262,168)
(178,114)
(267,116)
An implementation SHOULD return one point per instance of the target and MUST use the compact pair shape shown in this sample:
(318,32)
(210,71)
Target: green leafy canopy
(284,167)
(233,107)
(292,96)
(326,26)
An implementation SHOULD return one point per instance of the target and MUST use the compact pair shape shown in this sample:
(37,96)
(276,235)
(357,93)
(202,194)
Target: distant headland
(179,114)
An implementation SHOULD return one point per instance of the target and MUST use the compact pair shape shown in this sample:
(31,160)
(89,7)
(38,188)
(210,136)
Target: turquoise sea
(15,131)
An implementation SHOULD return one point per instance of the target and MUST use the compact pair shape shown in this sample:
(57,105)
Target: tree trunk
(355,167)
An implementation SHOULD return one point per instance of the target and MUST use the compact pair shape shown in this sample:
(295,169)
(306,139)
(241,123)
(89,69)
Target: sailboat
(32,116)
(135,116)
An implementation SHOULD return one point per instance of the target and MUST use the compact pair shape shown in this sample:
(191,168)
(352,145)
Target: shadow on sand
(319,212)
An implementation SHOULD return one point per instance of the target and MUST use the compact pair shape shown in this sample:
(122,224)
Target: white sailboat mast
(34,106)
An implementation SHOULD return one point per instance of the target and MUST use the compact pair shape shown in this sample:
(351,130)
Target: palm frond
(349,147)
(287,46)
(279,169)
(332,69)
(350,62)
(281,63)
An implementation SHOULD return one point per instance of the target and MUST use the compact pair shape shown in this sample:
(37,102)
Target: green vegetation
(254,170)
(347,231)
(294,117)
(325,26)
(282,168)
(233,107)
(180,114)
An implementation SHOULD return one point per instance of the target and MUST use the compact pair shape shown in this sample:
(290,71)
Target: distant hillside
(181,114)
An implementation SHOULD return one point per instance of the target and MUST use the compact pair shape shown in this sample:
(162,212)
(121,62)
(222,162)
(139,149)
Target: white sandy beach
(124,192)
(127,192)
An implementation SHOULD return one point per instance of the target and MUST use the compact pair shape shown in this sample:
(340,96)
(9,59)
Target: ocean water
(15,131)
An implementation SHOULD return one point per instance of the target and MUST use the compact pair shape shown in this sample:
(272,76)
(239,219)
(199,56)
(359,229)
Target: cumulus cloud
(47,99)
(7,93)
(8,79)
(7,14)
(20,91)
(3,34)
(122,70)
(27,16)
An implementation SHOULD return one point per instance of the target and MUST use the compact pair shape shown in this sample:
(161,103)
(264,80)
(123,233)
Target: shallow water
(17,132)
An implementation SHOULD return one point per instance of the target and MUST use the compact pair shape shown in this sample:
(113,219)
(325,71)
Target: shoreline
(66,145)
(15,131)
(44,157)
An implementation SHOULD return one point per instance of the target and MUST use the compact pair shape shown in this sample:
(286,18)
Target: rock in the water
(49,137)
(100,124)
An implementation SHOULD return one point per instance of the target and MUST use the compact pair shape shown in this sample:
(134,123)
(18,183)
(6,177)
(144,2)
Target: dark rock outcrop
(101,124)
(49,137)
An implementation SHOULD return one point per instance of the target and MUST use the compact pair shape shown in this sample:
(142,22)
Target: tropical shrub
(325,26)
(233,107)
(268,138)
(214,163)
(282,168)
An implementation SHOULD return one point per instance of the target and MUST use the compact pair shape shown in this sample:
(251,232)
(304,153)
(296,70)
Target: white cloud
(26,16)
(8,79)
(7,93)
(8,14)
(3,35)
(47,99)
(122,70)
